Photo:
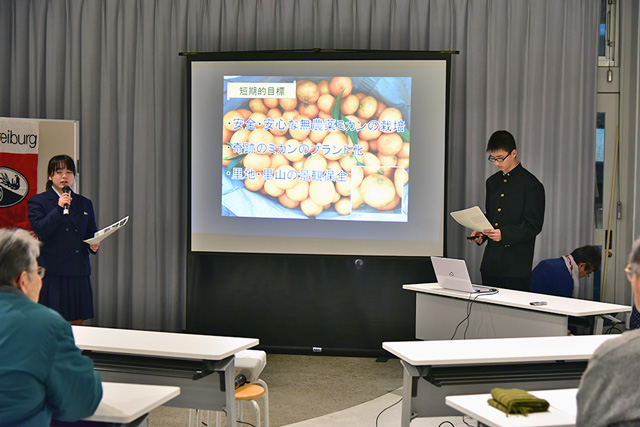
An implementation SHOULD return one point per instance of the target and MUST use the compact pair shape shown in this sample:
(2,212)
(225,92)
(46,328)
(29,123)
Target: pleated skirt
(71,296)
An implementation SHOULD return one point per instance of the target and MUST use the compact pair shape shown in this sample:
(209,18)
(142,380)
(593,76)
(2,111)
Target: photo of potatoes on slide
(332,148)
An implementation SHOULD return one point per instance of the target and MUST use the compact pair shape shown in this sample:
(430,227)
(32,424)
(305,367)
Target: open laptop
(453,274)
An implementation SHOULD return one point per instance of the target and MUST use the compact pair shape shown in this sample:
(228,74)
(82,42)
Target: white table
(506,314)
(201,365)
(436,369)
(562,410)
(124,403)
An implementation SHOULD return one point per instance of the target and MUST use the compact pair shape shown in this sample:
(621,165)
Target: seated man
(608,393)
(43,375)
(559,276)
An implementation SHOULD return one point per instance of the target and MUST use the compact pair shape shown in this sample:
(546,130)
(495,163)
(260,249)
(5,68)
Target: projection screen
(318,152)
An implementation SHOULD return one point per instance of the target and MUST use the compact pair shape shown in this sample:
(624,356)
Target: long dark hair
(61,161)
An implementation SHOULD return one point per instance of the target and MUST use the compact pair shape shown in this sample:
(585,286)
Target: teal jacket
(42,372)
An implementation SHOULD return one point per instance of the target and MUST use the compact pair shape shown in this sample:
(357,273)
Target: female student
(62,219)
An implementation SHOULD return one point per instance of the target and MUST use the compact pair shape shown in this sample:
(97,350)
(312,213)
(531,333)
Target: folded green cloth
(516,401)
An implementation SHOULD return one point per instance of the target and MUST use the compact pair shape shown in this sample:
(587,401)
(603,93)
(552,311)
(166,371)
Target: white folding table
(562,410)
(201,365)
(125,403)
(436,369)
(506,314)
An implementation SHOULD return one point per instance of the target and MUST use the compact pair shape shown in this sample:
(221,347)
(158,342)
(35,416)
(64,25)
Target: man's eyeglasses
(630,272)
(499,159)
(41,271)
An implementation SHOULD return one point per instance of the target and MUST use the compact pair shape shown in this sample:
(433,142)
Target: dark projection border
(343,305)
(339,305)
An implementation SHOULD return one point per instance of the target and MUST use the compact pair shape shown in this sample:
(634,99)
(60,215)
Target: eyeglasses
(630,272)
(499,159)
(41,271)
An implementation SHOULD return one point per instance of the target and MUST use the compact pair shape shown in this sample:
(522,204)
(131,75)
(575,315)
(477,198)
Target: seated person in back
(608,394)
(43,375)
(559,276)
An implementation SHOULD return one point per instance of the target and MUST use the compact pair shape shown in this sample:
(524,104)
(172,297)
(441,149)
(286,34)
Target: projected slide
(329,147)
(317,152)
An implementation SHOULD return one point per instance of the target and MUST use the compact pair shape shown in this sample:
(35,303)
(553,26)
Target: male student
(43,375)
(559,276)
(514,205)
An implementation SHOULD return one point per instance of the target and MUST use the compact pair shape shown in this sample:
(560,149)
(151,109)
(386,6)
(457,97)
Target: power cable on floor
(388,407)
(241,422)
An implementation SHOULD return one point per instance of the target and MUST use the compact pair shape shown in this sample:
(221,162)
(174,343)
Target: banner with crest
(18,169)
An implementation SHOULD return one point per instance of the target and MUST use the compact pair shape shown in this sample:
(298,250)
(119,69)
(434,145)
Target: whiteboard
(57,137)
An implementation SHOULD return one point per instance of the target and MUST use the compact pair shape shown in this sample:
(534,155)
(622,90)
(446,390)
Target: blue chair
(634,320)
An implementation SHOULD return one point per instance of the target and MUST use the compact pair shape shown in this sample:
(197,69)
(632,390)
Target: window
(607,46)
(599,169)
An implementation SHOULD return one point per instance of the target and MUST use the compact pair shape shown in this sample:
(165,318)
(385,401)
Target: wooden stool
(249,363)
(250,392)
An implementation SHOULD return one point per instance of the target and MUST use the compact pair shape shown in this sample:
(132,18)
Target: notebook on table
(452,274)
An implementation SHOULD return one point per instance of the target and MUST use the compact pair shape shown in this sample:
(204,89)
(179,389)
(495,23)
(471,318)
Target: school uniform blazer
(63,251)
(515,204)
(552,277)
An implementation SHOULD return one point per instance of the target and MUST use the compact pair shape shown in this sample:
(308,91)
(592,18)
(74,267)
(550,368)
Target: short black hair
(61,161)
(588,254)
(501,140)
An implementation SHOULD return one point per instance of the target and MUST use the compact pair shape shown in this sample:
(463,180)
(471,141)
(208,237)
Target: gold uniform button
(495,225)
(499,209)
(505,180)
(502,195)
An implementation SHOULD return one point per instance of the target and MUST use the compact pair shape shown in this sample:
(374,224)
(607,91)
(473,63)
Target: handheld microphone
(65,209)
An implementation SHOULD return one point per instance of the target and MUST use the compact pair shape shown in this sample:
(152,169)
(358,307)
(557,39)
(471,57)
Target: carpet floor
(303,387)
